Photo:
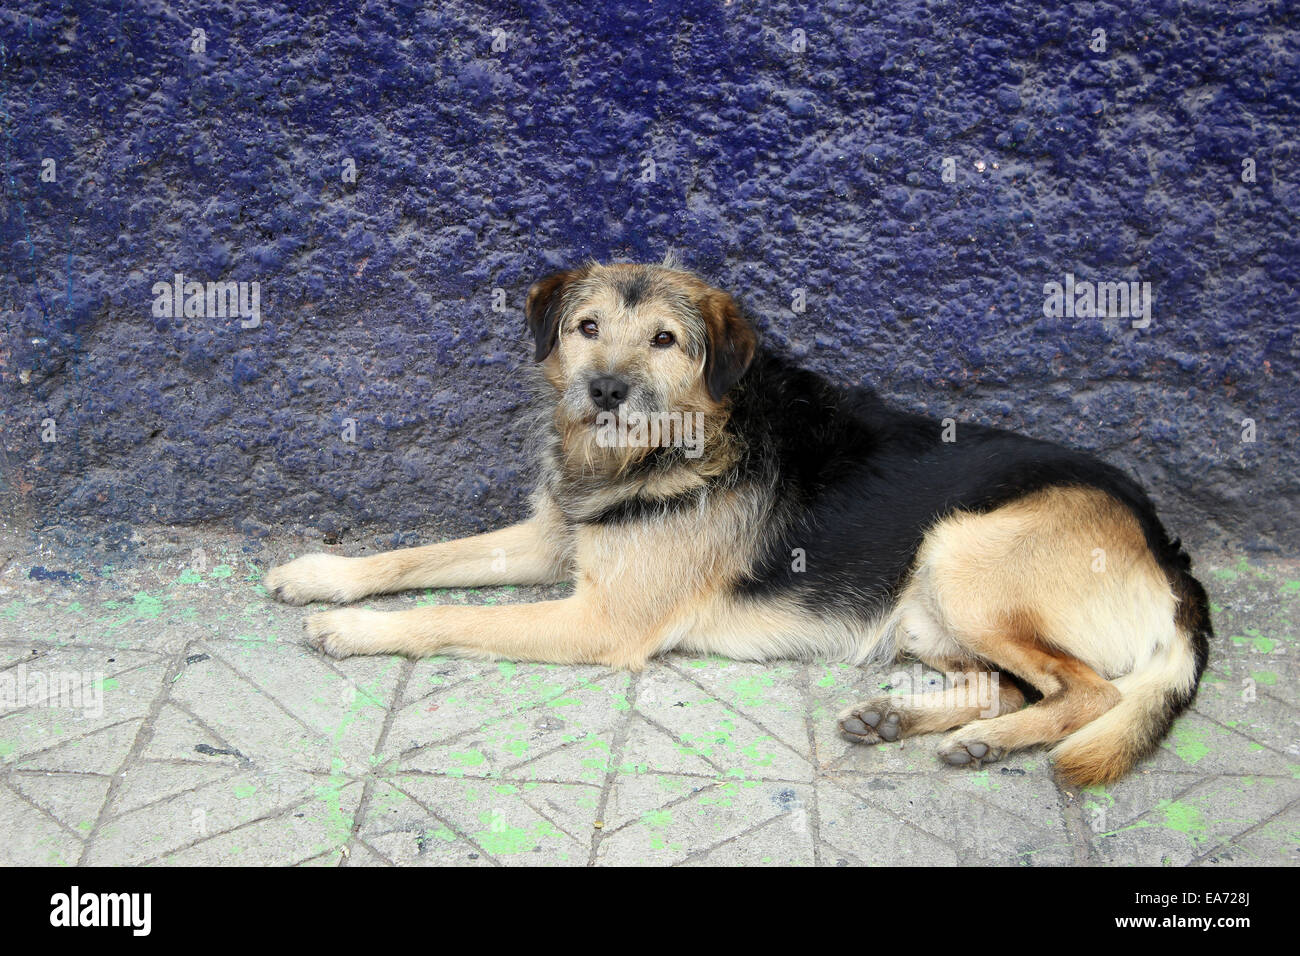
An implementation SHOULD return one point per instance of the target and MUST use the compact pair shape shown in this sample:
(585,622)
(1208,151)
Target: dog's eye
(663,339)
(588,327)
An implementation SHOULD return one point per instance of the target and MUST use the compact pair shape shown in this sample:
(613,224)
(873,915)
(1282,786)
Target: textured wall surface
(772,147)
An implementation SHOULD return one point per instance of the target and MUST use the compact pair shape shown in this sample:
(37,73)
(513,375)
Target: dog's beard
(585,434)
(586,455)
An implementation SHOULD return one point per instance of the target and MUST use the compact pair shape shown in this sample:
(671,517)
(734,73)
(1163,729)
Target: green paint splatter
(501,839)
(657,818)
(1184,818)
(338,822)
(145,606)
(1190,743)
(749,691)
(469,758)
(1099,796)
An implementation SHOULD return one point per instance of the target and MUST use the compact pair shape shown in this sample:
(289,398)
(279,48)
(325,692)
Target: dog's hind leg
(1073,695)
(528,553)
(974,691)
(1058,588)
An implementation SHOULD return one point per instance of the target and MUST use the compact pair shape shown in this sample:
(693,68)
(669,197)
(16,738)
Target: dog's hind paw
(313,577)
(969,753)
(872,722)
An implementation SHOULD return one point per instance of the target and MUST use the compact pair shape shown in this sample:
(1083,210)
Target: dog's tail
(1153,695)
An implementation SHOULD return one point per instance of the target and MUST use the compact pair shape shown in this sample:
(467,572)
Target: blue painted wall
(792,149)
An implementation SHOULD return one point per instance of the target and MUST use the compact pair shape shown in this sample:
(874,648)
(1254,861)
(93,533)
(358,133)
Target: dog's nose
(607,392)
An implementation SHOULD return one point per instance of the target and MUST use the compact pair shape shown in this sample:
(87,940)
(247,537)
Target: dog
(802,520)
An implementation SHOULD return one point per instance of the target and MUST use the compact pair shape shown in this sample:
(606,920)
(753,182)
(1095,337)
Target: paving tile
(409,834)
(1274,842)
(317,826)
(495,817)
(345,703)
(33,838)
(147,782)
(705,817)
(508,718)
(770,695)
(633,795)
(722,736)
(648,748)
(306,717)
(94,751)
(785,841)
(178,735)
(1255,712)
(1176,831)
(74,799)
(957,812)
(860,833)
(1197,743)
(163,829)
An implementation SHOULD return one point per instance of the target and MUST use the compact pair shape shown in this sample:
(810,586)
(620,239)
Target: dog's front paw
(313,577)
(346,632)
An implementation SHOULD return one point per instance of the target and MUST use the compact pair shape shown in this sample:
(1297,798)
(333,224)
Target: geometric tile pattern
(210,734)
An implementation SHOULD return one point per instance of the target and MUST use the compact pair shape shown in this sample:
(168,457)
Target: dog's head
(635,340)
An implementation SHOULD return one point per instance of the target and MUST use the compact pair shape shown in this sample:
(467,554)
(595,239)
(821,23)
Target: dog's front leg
(574,630)
(532,552)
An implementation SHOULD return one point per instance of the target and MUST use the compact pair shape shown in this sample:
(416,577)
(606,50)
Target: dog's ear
(544,307)
(731,344)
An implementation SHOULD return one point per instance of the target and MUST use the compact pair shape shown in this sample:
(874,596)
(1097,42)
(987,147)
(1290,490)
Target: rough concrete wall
(495,142)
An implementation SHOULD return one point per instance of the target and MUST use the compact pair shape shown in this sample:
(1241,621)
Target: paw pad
(970,753)
(872,725)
